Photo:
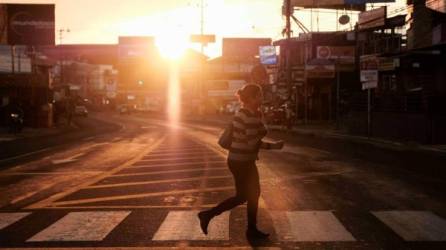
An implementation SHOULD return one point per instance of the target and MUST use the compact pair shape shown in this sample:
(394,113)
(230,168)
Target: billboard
(373,18)
(336,4)
(243,47)
(343,54)
(268,55)
(30,24)
(437,5)
(135,47)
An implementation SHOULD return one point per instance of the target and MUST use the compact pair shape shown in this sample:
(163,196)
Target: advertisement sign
(268,55)
(335,4)
(344,54)
(243,47)
(437,5)
(369,66)
(372,18)
(30,24)
(320,71)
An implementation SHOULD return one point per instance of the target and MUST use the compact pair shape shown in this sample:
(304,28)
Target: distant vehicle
(125,109)
(81,110)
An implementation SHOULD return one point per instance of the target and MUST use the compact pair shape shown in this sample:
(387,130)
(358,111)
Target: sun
(172,45)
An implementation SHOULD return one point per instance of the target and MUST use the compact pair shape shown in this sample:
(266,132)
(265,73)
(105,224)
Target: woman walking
(248,131)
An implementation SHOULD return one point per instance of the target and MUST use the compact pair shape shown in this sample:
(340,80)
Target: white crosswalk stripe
(185,225)
(309,226)
(414,225)
(7,219)
(291,226)
(81,226)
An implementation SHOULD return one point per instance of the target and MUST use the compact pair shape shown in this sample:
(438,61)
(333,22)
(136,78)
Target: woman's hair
(248,92)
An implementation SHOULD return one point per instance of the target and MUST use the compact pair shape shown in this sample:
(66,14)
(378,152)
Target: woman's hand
(277,145)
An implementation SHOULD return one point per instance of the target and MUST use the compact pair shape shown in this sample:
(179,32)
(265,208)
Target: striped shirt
(248,131)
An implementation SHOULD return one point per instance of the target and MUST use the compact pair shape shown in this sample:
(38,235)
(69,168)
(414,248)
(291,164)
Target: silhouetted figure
(248,131)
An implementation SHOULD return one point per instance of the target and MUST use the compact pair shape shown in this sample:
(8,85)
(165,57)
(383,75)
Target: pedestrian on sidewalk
(248,131)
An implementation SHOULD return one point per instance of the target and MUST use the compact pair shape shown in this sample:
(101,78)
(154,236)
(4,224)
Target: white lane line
(68,159)
(175,164)
(81,226)
(165,151)
(185,225)
(299,226)
(168,155)
(7,219)
(170,172)
(414,225)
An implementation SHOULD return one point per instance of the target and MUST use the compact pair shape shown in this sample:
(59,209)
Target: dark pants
(247,186)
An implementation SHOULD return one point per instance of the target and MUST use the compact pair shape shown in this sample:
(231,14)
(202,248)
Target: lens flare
(174,95)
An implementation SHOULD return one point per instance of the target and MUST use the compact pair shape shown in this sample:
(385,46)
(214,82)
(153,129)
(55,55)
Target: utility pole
(288,44)
(61,32)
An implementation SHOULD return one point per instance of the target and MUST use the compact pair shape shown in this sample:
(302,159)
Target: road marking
(301,226)
(67,160)
(29,194)
(51,173)
(81,226)
(145,195)
(170,172)
(202,157)
(27,154)
(7,219)
(202,149)
(48,201)
(185,225)
(154,155)
(145,248)
(126,184)
(174,164)
(414,225)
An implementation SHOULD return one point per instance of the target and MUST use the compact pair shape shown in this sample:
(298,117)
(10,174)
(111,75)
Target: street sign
(369,66)
(268,55)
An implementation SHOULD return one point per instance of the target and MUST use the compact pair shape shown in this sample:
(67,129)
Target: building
(322,70)
(238,65)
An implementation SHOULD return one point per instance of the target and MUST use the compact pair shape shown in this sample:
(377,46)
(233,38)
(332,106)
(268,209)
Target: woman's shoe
(255,233)
(205,218)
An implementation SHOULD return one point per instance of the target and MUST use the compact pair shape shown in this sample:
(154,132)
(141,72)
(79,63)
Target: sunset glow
(172,46)
(173,95)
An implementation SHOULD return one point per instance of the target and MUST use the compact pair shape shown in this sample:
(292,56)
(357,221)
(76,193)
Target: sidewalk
(329,131)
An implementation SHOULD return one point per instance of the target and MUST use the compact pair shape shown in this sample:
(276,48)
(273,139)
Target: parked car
(81,110)
(125,109)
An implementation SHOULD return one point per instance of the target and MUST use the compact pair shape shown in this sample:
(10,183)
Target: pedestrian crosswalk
(183,225)
(81,226)
(180,225)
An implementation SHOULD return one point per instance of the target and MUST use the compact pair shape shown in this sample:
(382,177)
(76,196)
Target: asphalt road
(141,186)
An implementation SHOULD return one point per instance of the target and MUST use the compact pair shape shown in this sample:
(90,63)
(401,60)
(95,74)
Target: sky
(172,21)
